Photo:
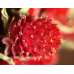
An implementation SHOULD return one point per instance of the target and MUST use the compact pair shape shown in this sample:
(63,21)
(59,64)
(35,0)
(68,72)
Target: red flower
(36,40)
(60,14)
(3,62)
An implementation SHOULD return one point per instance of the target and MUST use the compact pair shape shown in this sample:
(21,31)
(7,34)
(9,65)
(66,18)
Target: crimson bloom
(60,14)
(32,41)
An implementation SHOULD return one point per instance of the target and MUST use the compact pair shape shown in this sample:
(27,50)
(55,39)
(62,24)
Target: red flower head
(60,14)
(33,41)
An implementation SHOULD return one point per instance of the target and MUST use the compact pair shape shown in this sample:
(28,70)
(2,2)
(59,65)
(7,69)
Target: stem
(6,58)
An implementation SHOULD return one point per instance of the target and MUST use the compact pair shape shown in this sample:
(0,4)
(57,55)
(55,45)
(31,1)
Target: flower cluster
(32,41)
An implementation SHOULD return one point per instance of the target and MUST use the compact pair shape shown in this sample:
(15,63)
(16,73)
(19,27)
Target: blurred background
(63,17)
